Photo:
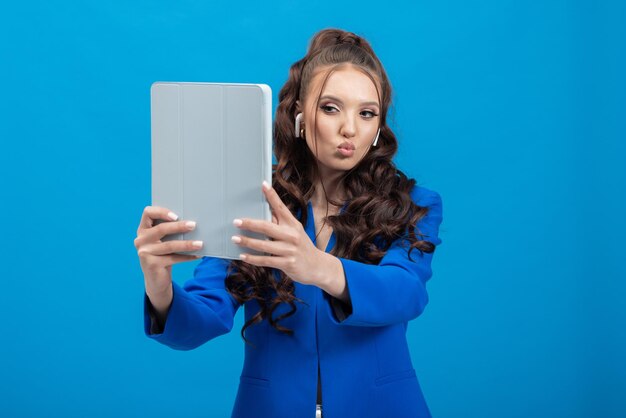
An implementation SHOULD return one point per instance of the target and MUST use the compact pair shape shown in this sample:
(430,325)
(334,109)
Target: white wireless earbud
(298,122)
(376,139)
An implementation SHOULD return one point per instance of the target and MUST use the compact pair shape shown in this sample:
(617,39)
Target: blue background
(513,111)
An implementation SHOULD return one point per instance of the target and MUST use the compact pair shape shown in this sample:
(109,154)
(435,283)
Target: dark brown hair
(379,206)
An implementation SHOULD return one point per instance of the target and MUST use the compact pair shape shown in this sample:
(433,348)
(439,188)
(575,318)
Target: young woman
(347,259)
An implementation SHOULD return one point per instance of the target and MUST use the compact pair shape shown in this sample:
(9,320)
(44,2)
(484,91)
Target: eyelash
(325,107)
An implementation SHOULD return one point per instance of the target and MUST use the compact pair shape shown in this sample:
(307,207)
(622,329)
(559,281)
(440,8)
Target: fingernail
(190,224)
(237,222)
(266,185)
(197,244)
(242,256)
(172,216)
(235,239)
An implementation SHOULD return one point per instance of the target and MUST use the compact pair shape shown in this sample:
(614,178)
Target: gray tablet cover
(211,150)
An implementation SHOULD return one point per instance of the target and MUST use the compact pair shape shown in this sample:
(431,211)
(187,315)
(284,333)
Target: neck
(334,190)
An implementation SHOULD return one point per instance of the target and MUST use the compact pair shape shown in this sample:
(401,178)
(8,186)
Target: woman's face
(347,119)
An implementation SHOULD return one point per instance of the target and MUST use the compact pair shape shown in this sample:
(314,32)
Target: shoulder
(211,265)
(430,223)
(425,197)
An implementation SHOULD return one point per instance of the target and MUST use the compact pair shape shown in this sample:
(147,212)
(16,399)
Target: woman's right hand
(157,257)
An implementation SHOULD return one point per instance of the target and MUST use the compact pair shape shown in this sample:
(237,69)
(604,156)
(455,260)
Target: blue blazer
(362,352)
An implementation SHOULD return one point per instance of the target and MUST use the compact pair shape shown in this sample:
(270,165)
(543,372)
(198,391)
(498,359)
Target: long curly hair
(379,209)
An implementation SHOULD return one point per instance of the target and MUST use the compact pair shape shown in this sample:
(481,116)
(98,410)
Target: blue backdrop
(513,111)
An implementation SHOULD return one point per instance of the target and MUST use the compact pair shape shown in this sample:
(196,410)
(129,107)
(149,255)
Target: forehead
(347,83)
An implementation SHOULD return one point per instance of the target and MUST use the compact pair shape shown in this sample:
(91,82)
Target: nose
(348,127)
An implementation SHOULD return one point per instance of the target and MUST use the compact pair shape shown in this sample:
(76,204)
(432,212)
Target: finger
(281,211)
(277,248)
(265,261)
(166,228)
(160,261)
(150,213)
(169,247)
(180,258)
(274,219)
(267,228)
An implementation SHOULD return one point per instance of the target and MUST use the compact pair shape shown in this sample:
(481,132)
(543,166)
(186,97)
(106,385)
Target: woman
(347,260)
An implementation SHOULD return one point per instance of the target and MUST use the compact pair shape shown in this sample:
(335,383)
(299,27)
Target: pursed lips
(347,146)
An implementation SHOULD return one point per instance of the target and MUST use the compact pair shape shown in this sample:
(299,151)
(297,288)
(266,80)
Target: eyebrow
(337,99)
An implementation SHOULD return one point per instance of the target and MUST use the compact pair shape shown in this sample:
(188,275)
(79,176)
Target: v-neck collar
(310,226)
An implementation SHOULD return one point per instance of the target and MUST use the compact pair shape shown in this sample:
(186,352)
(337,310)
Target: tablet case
(211,150)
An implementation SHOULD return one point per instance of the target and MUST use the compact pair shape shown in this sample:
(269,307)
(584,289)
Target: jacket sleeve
(201,309)
(393,291)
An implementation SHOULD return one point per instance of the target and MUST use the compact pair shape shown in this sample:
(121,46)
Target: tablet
(211,151)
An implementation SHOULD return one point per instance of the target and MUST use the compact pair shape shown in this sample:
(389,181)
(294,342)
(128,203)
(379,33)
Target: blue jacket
(365,366)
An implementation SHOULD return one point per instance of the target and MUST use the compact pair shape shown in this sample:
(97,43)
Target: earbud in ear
(376,139)
(298,122)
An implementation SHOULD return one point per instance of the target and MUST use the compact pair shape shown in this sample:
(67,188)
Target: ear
(298,108)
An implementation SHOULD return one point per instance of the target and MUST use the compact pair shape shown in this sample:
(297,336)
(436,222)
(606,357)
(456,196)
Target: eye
(328,108)
(369,114)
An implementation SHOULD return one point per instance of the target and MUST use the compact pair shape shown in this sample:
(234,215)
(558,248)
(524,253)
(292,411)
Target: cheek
(368,133)
(327,133)
(327,129)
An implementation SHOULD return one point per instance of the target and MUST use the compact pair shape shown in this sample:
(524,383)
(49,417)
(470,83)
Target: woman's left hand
(290,250)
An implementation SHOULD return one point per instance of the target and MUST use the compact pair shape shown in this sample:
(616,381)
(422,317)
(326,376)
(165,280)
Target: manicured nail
(172,216)
(242,256)
(190,224)
(266,185)
(237,222)
(235,239)
(197,244)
